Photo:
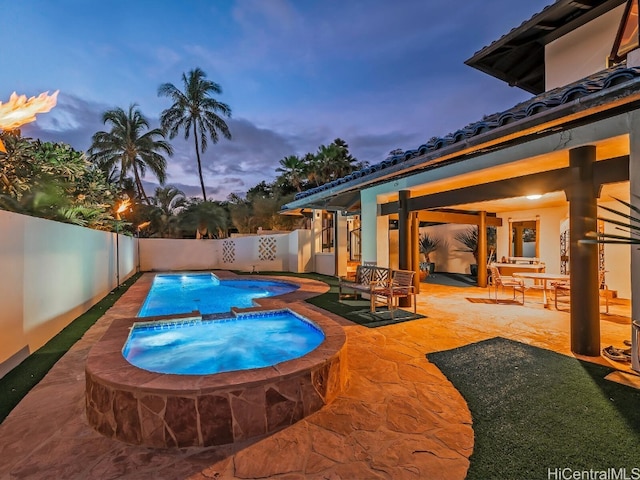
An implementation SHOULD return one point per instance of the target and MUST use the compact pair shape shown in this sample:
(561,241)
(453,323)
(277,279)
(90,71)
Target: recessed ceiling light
(533,197)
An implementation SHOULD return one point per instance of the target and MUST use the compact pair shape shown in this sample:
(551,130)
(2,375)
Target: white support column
(369,226)
(382,240)
(316,237)
(634,188)
(341,244)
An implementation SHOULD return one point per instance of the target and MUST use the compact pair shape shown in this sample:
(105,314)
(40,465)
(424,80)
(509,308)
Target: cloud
(297,74)
(73,120)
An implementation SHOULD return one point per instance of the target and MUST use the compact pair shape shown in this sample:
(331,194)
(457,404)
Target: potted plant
(469,238)
(428,245)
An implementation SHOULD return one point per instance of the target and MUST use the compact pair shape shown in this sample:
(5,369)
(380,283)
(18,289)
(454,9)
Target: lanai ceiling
(606,149)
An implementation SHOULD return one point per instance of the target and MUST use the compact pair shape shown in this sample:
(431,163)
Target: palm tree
(169,199)
(293,169)
(332,162)
(131,146)
(195,111)
(208,219)
(169,202)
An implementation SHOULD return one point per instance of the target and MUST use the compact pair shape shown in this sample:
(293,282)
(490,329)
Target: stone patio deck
(399,417)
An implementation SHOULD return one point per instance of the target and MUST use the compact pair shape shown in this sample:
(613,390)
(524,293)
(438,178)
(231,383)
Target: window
(627,38)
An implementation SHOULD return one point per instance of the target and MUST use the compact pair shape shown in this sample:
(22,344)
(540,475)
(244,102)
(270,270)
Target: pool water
(206,293)
(202,347)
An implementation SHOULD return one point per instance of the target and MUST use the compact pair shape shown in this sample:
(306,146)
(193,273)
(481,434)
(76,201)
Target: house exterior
(575,144)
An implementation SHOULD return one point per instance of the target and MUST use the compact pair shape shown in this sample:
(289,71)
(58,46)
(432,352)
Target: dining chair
(501,281)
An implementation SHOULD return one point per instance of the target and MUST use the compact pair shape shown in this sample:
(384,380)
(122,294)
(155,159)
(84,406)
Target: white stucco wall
(52,273)
(447,257)
(549,235)
(617,258)
(299,253)
(325,263)
(581,52)
(260,252)
(166,254)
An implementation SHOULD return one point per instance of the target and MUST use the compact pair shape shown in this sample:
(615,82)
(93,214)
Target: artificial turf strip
(20,380)
(535,410)
(358,311)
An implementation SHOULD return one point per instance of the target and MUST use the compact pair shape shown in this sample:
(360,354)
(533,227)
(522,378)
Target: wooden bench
(367,278)
(400,286)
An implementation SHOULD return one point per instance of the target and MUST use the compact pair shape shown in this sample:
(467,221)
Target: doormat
(381,317)
(451,280)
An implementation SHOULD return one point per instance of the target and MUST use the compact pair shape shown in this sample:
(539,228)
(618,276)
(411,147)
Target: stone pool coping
(106,361)
(168,410)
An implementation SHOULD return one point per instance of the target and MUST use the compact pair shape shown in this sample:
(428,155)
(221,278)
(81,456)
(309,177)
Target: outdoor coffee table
(544,278)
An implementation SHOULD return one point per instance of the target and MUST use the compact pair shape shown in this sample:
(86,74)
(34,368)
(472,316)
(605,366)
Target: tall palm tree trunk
(141,192)
(195,139)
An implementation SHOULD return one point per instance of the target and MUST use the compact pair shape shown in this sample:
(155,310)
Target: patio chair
(501,281)
(400,286)
(562,290)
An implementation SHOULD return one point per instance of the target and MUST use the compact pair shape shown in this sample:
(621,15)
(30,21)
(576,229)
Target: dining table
(542,280)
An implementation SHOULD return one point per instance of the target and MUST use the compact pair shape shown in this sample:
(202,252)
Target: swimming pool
(202,347)
(166,410)
(172,294)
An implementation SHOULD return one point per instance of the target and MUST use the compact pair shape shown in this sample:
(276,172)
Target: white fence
(290,252)
(53,272)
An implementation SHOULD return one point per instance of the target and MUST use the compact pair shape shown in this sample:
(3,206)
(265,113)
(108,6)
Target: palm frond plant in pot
(630,229)
(469,238)
(428,245)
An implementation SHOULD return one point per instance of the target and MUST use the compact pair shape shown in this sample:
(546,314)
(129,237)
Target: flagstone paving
(398,418)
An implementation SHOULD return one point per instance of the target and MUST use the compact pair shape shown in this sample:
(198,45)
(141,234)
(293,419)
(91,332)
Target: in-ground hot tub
(169,410)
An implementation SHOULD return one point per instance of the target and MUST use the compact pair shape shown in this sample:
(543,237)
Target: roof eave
(626,94)
(548,28)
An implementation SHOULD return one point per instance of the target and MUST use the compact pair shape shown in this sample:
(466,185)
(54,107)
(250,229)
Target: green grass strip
(536,412)
(20,380)
(356,310)
(328,300)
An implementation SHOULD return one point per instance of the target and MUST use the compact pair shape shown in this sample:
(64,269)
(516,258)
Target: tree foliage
(196,112)
(54,181)
(206,219)
(130,146)
(328,163)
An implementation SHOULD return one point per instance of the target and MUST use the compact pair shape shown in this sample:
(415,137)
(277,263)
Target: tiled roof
(536,105)
(514,29)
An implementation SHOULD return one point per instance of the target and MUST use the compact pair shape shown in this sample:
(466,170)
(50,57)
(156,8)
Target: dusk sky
(380,74)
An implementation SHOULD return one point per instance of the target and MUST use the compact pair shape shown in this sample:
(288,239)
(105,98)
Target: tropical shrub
(53,181)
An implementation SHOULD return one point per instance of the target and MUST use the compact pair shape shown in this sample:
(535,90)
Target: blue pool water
(202,347)
(171,294)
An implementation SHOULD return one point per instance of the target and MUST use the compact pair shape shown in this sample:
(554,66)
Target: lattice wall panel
(228,251)
(267,248)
